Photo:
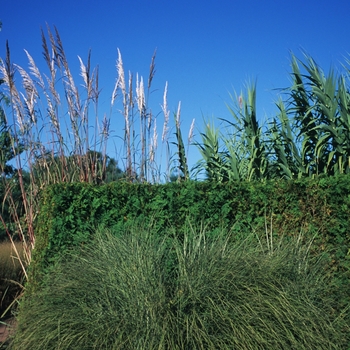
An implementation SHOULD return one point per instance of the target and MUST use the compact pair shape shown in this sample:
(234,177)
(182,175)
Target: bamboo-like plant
(250,135)
(309,136)
(287,162)
(184,173)
(212,161)
(319,106)
(244,156)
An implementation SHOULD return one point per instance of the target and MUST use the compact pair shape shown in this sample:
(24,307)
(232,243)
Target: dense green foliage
(118,293)
(69,211)
(320,208)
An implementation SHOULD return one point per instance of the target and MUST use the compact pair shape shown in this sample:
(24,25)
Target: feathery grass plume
(58,46)
(140,95)
(72,96)
(177,117)
(121,77)
(51,61)
(55,54)
(96,91)
(30,97)
(126,105)
(34,71)
(152,70)
(47,57)
(105,126)
(8,70)
(190,134)
(166,114)
(138,147)
(32,81)
(88,79)
(50,168)
(85,74)
(130,94)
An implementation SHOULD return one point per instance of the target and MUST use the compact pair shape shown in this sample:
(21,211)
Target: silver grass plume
(166,113)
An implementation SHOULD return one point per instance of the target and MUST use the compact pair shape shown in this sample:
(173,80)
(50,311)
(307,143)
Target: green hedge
(320,208)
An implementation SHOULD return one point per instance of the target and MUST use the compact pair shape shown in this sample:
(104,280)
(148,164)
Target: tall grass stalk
(51,118)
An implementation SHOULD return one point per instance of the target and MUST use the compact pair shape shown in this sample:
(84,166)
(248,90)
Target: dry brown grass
(11,275)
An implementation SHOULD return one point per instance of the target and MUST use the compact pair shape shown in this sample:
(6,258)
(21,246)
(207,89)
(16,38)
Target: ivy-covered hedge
(319,208)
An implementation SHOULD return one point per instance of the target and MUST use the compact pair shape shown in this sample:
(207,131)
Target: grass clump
(142,291)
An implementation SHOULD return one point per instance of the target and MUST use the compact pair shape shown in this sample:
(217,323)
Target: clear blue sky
(205,49)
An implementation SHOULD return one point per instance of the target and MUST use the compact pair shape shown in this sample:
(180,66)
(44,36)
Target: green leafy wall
(320,208)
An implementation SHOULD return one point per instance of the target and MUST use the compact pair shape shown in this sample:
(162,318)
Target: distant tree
(9,146)
(113,172)
(10,192)
(104,168)
(6,149)
(91,167)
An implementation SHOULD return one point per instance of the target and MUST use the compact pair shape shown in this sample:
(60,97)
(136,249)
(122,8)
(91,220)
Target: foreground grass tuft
(140,291)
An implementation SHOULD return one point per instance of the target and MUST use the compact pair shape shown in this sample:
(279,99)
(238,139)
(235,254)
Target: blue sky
(205,49)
